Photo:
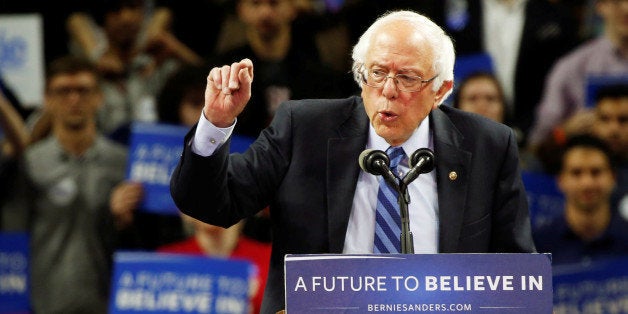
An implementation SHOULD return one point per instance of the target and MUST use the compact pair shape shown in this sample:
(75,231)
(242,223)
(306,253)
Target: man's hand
(124,199)
(227,92)
(579,123)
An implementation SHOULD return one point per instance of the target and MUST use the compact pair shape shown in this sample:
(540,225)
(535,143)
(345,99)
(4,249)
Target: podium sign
(470,283)
(171,283)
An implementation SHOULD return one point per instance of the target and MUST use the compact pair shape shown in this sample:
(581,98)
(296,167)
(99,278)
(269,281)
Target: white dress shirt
(208,137)
(503,28)
(423,207)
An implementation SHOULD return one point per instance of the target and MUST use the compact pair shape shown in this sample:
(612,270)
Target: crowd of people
(111,63)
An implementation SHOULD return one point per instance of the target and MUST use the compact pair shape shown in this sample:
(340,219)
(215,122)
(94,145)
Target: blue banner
(545,200)
(471,283)
(154,152)
(596,287)
(174,283)
(466,65)
(595,82)
(14,275)
(22,56)
(472,63)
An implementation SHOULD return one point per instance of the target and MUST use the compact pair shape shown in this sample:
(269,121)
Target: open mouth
(387,115)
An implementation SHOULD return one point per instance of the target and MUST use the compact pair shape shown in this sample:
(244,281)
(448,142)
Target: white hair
(441,44)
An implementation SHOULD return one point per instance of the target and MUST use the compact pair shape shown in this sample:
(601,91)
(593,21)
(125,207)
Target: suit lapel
(452,171)
(342,173)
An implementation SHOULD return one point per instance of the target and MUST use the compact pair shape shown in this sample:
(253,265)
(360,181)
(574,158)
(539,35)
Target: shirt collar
(92,153)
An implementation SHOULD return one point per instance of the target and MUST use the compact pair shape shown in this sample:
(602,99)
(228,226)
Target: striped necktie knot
(396,155)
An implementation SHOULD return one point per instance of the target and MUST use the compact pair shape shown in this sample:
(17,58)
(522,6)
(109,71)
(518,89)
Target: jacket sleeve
(224,188)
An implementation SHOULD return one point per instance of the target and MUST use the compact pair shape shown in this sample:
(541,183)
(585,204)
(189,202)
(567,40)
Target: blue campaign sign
(545,200)
(22,56)
(153,155)
(471,283)
(595,82)
(472,63)
(14,275)
(597,287)
(468,64)
(174,283)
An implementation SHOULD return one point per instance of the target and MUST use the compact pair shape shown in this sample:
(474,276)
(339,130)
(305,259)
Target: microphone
(421,161)
(376,162)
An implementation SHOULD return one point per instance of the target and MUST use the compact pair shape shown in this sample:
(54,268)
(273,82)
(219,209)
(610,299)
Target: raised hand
(227,93)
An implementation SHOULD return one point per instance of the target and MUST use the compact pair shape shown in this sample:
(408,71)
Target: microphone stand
(407,240)
(403,199)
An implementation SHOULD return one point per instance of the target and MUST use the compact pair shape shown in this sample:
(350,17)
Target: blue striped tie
(388,226)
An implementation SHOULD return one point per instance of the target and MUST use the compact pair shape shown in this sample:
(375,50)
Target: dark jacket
(305,166)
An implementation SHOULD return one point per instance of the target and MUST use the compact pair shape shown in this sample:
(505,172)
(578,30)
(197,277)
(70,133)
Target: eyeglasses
(66,91)
(377,77)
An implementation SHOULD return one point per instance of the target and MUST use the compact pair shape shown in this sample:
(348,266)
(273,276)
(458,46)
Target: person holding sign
(70,196)
(564,91)
(305,164)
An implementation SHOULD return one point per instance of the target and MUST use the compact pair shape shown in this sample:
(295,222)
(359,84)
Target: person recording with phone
(306,164)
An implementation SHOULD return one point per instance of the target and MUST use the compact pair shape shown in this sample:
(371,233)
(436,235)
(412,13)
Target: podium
(471,283)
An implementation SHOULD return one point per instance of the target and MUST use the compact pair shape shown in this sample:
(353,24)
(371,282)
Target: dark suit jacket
(305,165)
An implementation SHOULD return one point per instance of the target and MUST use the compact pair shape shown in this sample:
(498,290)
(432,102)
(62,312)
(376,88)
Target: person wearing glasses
(70,197)
(305,164)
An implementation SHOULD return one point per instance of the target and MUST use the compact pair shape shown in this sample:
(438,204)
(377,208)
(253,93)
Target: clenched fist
(227,93)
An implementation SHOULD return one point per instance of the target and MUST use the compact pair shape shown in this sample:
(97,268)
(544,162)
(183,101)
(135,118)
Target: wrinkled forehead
(398,44)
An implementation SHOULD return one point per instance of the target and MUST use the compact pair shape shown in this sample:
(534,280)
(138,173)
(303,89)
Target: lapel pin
(453,176)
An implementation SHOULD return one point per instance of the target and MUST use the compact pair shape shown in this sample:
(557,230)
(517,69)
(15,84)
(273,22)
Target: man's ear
(442,91)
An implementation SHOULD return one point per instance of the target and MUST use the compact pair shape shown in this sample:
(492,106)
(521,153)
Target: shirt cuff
(208,137)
